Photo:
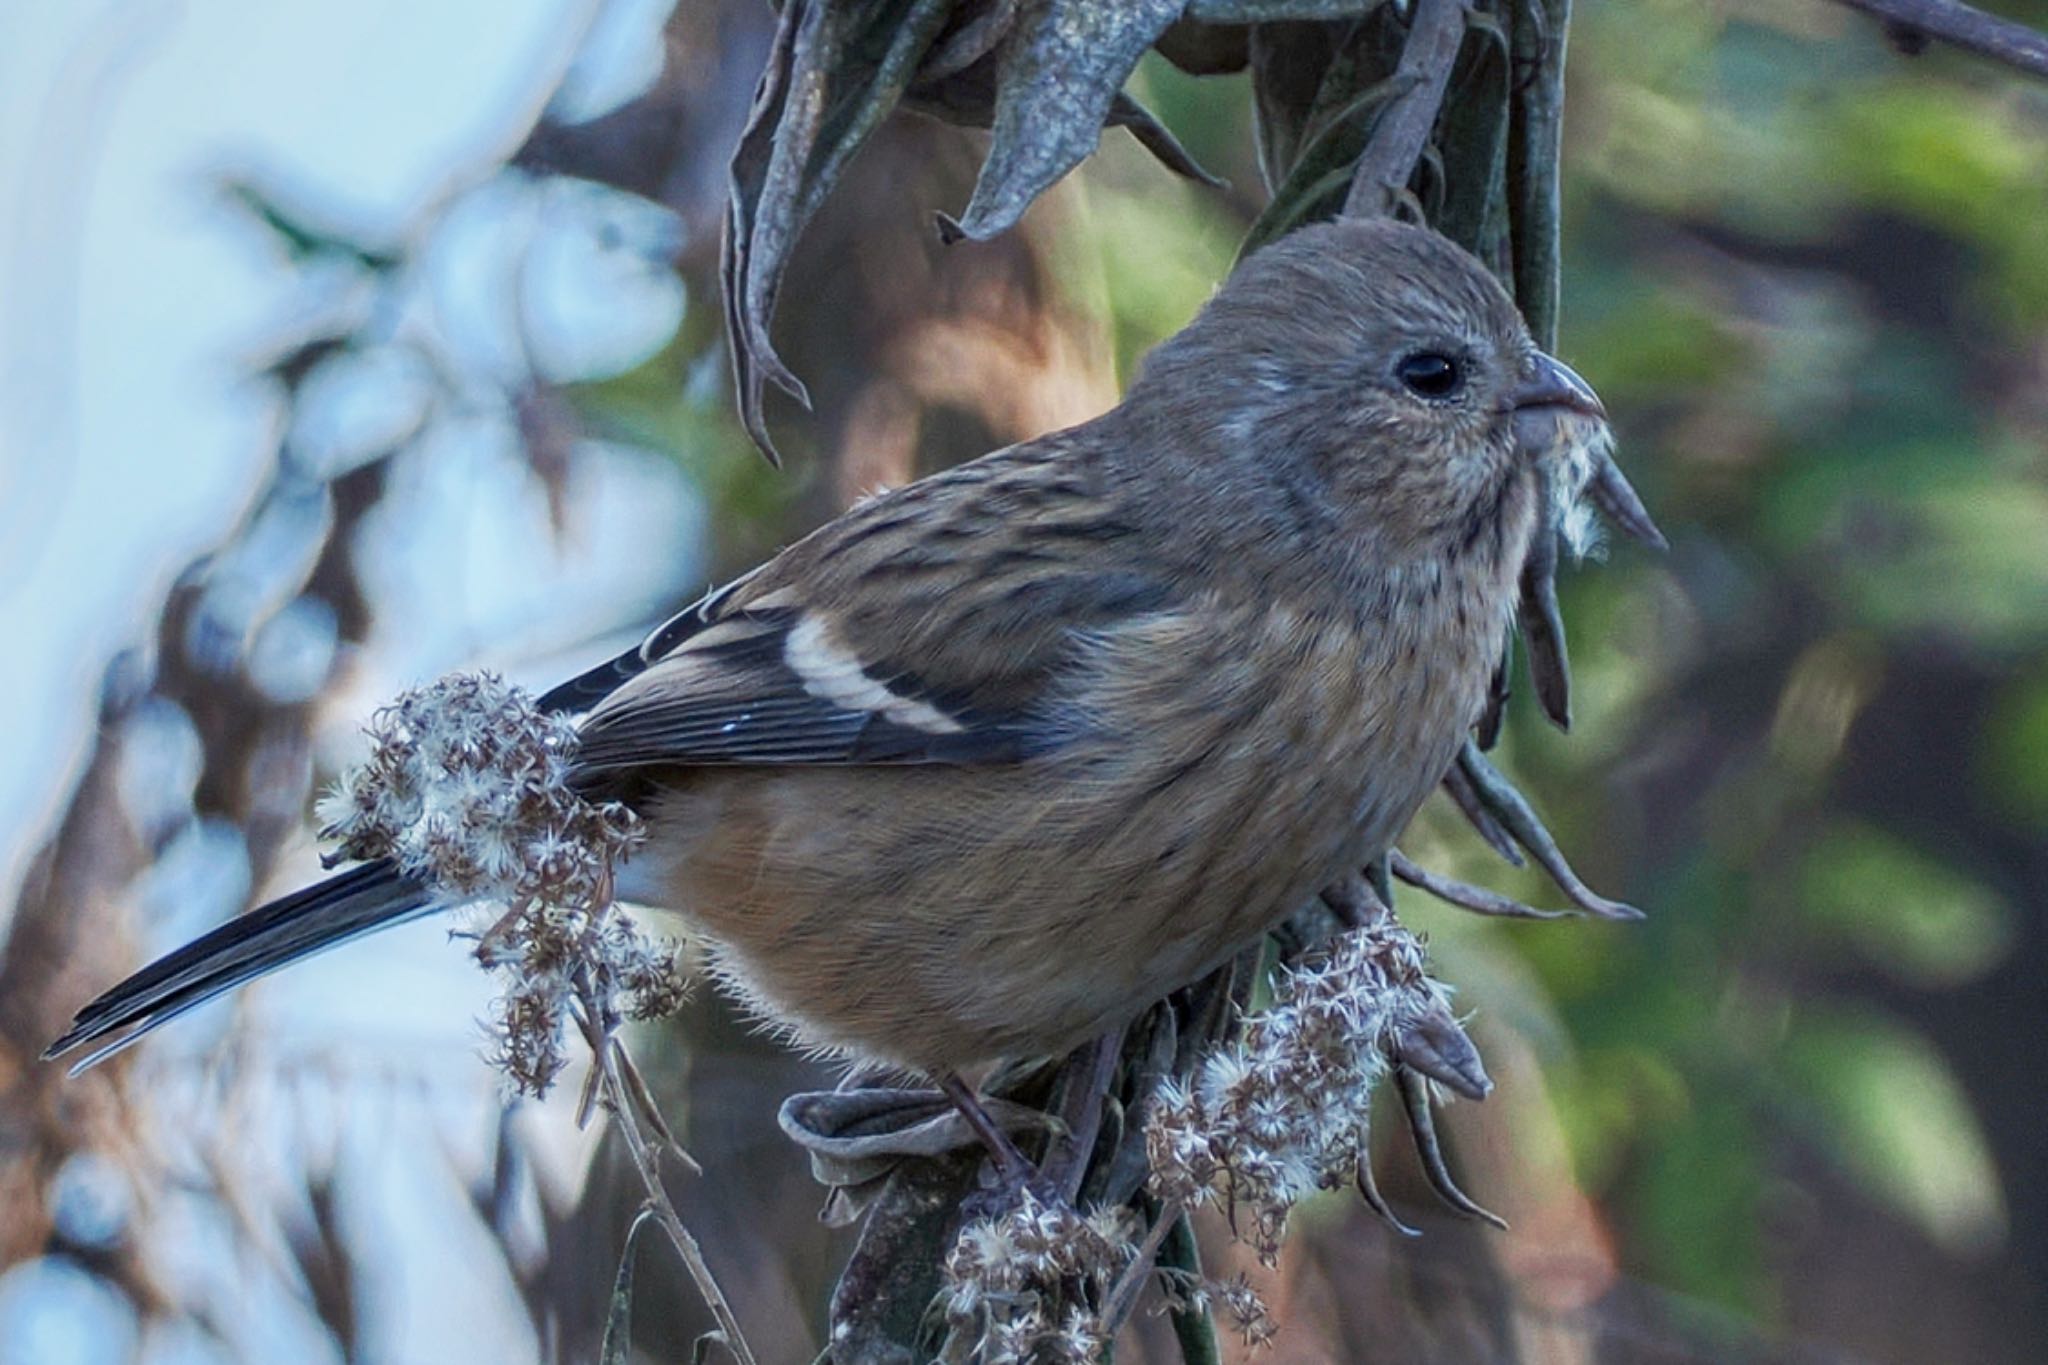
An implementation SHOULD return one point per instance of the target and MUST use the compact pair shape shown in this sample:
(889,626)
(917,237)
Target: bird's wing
(773,685)
(927,626)
(588,688)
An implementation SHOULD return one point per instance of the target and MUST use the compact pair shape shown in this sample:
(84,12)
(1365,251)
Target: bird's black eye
(1430,374)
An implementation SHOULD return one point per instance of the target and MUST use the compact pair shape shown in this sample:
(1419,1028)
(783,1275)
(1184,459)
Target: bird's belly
(942,918)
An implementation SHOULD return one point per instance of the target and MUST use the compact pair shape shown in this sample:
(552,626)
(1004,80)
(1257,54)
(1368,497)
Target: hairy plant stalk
(600,1032)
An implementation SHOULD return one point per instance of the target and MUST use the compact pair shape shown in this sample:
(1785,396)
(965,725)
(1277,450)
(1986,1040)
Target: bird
(992,761)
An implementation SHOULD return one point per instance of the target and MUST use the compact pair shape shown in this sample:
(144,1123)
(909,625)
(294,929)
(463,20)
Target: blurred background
(342,345)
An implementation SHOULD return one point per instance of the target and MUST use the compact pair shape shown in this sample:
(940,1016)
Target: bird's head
(1386,366)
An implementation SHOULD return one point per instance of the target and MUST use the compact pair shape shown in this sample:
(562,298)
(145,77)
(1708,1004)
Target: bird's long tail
(348,905)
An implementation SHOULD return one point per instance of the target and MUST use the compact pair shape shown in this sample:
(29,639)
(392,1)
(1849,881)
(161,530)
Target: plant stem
(1536,125)
(599,1031)
(1381,177)
(1964,26)
(1193,1328)
(1123,1297)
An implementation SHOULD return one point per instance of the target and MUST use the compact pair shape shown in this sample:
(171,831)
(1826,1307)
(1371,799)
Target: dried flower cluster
(1245,1309)
(1027,1287)
(1283,1112)
(466,787)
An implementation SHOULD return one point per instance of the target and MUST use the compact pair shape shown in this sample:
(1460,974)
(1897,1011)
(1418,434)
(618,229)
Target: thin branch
(1402,132)
(1123,1296)
(1195,1330)
(1964,26)
(619,1099)
(1088,1077)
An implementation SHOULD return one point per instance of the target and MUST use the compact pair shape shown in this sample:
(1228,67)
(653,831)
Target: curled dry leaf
(1511,812)
(834,71)
(1478,899)
(1415,1102)
(857,1135)
(1057,76)
(1542,626)
(1046,75)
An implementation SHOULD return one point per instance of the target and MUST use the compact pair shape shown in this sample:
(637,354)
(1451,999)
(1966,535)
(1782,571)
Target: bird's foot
(1003,1193)
(1011,1178)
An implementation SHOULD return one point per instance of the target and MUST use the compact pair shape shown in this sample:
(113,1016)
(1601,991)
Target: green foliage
(2010,749)
(1928,922)
(1799,268)
(1884,1102)
(1157,267)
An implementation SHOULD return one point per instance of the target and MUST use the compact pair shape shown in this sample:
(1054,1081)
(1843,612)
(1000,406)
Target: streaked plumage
(991,761)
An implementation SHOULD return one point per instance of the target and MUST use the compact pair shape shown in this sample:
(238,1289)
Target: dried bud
(1246,1311)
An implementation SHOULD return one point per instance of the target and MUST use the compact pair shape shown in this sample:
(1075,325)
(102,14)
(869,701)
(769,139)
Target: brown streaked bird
(992,761)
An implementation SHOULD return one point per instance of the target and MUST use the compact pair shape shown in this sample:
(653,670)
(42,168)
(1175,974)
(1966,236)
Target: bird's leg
(1015,1173)
(1355,903)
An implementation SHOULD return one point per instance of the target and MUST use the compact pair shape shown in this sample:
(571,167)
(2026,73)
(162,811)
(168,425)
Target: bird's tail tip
(322,916)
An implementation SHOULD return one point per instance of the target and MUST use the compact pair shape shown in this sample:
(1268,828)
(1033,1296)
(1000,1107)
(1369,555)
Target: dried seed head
(1027,1285)
(466,787)
(1245,1310)
(1284,1111)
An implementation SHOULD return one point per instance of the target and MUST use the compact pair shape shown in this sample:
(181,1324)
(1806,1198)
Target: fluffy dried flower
(529,1028)
(1027,1286)
(466,787)
(1284,1110)
(1246,1311)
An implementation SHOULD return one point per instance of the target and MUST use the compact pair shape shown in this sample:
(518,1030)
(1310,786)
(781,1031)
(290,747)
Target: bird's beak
(1552,406)
(1554,384)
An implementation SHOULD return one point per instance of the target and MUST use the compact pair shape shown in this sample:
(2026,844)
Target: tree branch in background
(1964,26)
(1536,126)
(1403,130)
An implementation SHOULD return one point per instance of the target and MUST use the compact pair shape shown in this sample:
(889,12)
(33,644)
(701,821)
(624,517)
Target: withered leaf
(1046,75)
(835,70)
(1542,626)
(1503,803)
(1472,138)
(1318,91)
(1058,76)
